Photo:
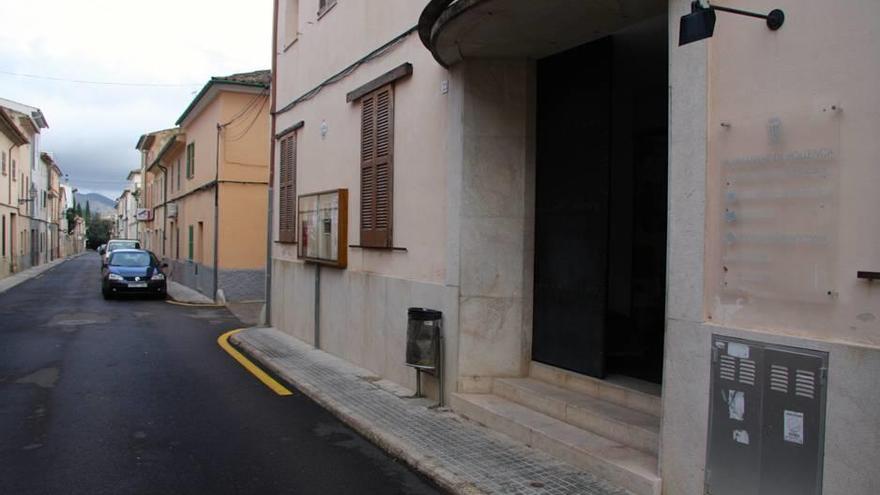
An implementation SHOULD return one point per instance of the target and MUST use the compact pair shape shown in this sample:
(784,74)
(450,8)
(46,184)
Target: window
(190,257)
(171,171)
(287,190)
(3,161)
(3,236)
(130,259)
(377,167)
(324,6)
(13,167)
(177,243)
(200,247)
(190,160)
(291,22)
(178,174)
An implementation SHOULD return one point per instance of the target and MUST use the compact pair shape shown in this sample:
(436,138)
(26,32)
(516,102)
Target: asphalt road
(135,396)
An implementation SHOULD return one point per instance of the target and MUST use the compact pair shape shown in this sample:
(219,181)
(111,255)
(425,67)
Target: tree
(88,215)
(78,210)
(98,232)
(71,219)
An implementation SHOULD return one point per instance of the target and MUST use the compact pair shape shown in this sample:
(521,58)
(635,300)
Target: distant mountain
(98,203)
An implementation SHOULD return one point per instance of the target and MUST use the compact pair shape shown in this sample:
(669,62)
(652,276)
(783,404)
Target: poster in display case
(323,227)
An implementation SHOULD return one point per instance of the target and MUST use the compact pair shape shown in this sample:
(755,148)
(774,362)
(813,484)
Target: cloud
(93,128)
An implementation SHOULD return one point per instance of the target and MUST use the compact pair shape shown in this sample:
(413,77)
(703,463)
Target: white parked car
(114,244)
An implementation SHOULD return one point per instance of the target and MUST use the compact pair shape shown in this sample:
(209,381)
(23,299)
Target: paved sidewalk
(181,293)
(459,455)
(248,312)
(33,272)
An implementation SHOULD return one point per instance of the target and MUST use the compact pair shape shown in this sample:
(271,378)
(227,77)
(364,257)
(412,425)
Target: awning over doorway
(458,29)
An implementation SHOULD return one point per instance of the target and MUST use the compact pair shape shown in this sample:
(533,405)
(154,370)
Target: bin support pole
(317,306)
(441,369)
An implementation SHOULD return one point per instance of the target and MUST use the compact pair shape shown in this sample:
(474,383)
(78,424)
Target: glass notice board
(323,227)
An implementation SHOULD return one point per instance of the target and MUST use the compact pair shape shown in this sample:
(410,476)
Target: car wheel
(107,295)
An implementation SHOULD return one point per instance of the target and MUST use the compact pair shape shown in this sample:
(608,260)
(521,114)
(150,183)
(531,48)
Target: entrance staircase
(601,426)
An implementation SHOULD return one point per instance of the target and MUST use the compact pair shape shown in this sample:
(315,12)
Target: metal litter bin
(424,348)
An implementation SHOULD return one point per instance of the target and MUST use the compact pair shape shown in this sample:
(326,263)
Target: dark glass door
(571,207)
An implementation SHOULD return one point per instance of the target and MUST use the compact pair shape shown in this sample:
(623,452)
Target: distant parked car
(114,244)
(101,249)
(133,271)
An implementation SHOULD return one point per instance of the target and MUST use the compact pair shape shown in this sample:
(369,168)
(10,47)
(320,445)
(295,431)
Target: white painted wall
(824,55)
(363,312)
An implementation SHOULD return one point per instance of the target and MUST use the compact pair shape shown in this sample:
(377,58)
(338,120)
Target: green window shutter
(190,242)
(190,160)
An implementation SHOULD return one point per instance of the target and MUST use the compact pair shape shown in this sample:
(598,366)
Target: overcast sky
(93,128)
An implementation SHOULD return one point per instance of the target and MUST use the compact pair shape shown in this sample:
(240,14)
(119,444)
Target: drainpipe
(9,168)
(216,210)
(164,207)
(271,195)
(9,201)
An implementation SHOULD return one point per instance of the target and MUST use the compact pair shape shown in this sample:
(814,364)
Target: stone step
(645,398)
(612,461)
(622,424)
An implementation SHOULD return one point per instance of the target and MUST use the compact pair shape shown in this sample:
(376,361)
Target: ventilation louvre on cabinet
(779,378)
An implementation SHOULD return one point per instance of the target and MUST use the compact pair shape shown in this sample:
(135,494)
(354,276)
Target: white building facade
(654,261)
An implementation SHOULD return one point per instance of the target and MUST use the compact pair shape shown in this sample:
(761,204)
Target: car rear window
(113,246)
(130,259)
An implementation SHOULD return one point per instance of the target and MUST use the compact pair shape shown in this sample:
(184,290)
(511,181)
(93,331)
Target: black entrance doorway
(600,206)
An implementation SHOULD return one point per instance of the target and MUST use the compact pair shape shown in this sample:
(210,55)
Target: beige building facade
(149,229)
(612,225)
(213,171)
(54,210)
(11,140)
(26,188)
(71,239)
(126,223)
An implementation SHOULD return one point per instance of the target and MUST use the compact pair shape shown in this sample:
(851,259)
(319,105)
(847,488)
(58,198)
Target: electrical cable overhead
(378,52)
(100,83)
(251,124)
(246,107)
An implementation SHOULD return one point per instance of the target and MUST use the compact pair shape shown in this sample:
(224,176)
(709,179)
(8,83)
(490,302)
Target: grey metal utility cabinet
(766,419)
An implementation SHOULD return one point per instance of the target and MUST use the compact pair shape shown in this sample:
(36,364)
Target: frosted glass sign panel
(323,227)
(775,207)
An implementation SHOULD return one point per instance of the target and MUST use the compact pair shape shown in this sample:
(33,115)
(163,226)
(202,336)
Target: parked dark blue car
(133,271)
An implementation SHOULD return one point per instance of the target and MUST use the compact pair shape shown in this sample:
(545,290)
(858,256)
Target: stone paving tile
(435,441)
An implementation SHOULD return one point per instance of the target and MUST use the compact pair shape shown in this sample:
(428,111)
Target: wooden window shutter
(287,191)
(377,167)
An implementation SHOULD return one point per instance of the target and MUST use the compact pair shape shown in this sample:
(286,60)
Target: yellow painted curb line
(261,375)
(194,305)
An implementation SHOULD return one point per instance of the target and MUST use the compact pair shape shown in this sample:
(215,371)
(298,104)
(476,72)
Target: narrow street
(135,396)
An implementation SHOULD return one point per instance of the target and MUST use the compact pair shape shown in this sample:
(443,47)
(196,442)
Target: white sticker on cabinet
(793,427)
(736,404)
(736,349)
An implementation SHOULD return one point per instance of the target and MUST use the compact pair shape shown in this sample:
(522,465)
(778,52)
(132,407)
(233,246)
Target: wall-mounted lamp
(700,23)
